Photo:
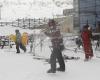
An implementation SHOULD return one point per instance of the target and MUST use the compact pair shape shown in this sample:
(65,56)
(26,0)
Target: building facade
(86,11)
(67,12)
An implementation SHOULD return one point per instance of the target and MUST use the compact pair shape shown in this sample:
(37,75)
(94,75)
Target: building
(86,11)
(67,12)
(66,24)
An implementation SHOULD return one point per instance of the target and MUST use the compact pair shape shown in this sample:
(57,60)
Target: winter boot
(51,71)
(60,69)
(17,52)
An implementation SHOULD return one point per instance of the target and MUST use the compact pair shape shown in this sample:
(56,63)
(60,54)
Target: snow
(23,67)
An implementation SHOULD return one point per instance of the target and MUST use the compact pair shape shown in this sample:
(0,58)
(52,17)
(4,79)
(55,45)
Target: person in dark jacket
(18,42)
(86,39)
(57,47)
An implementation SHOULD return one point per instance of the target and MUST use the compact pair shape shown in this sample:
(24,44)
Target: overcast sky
(13,9)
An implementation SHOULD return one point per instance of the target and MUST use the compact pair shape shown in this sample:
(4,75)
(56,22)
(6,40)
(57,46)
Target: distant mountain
(64,3)
(43,3)
(33,8)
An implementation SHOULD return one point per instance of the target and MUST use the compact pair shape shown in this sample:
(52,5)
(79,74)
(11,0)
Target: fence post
(23,23)
(34,23)
(29,23)
(18,22)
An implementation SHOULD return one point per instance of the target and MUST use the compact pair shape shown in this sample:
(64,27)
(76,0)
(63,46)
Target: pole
(34,43)
(0,10)
(95,16)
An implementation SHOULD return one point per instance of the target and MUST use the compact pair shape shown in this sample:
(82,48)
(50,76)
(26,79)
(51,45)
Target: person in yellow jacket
(12,37)
(24,38)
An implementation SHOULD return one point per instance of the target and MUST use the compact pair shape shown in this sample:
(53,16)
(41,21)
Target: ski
(70,58)
(74,50)
(97,56)
(41,58)
(47,60)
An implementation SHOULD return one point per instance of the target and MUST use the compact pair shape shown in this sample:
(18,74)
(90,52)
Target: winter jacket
(18,37)
(86,39)
(24,39)
(56,39)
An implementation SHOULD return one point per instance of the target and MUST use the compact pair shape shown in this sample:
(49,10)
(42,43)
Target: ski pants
(20,45)
(88,51)
(56,54)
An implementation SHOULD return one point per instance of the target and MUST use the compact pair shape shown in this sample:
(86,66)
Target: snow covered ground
(23,67)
